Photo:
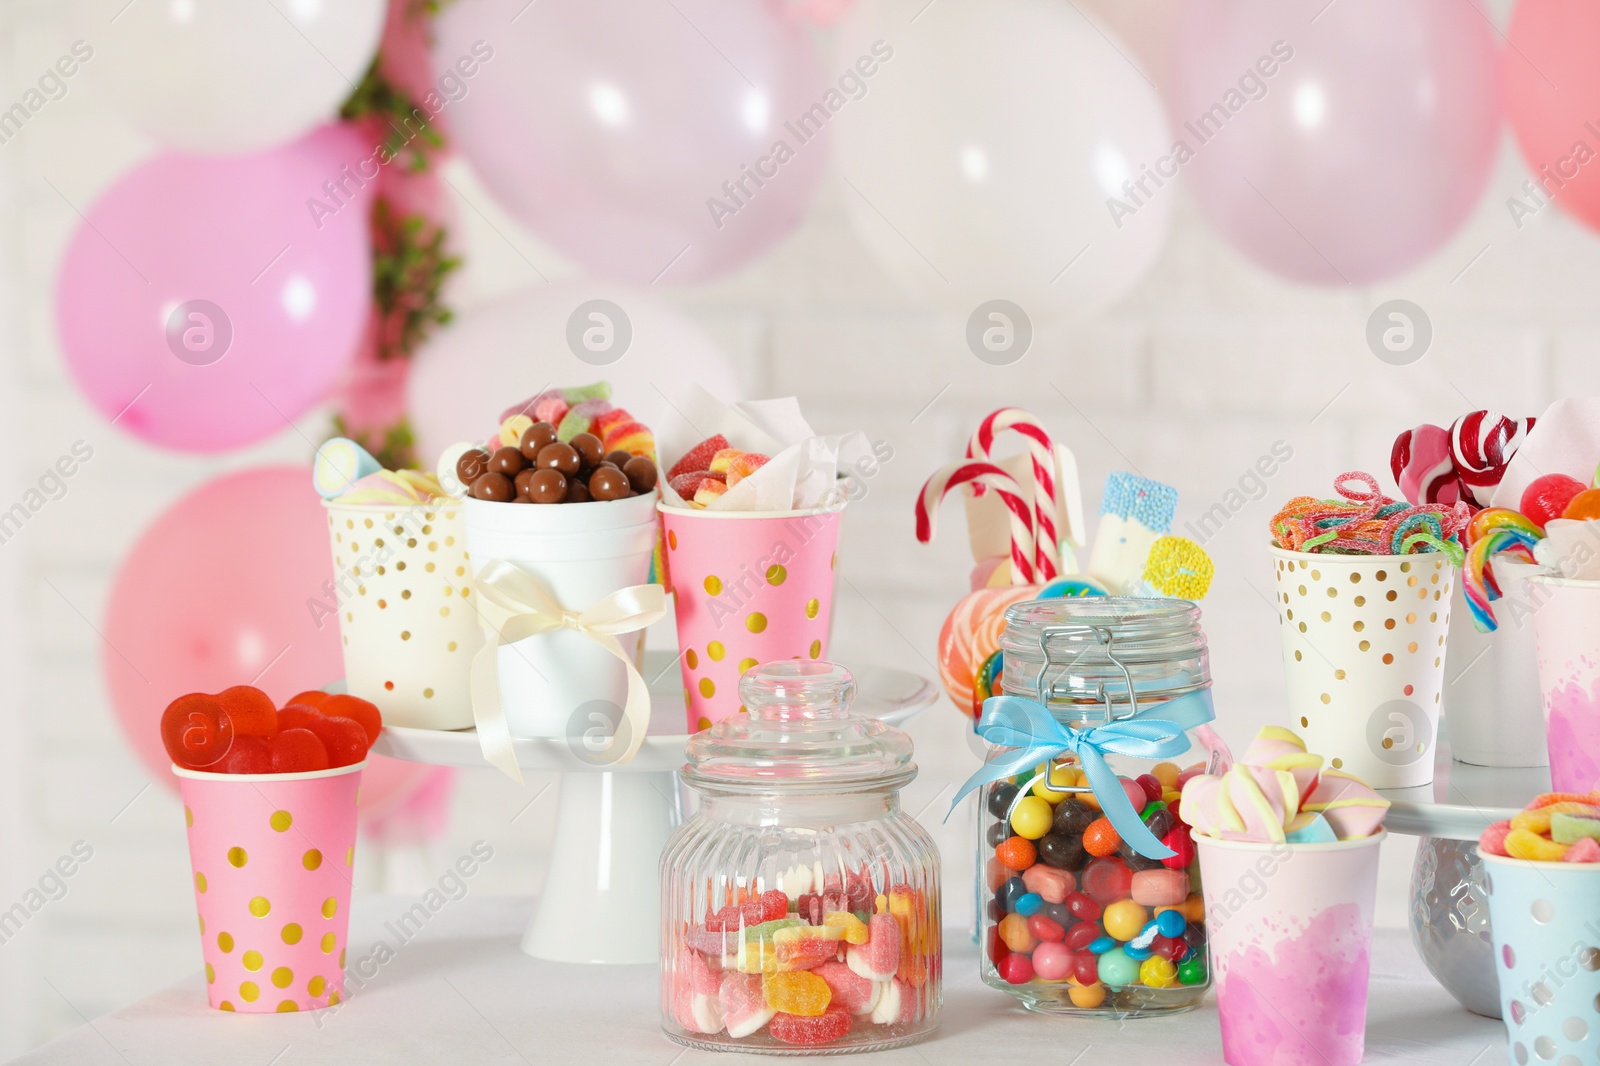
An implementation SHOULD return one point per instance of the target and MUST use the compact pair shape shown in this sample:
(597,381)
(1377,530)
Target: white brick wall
(1189,379)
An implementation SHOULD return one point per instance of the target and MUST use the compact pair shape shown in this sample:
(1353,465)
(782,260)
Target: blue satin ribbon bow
(1034,735)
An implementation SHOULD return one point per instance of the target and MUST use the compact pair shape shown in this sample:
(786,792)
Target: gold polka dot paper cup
(403,585)
(750,587)
(272,857)
(1547,956)
(1363,653)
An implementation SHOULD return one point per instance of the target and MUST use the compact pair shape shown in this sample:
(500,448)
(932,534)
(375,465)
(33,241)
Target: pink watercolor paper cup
(1566,630)
(272,856)
(1290,929)
(750,587)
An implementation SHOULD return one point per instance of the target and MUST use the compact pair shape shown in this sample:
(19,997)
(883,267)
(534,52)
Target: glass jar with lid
(800,904)
(1089,888)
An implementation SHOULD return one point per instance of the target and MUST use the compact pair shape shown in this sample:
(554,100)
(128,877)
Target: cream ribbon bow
(513,605)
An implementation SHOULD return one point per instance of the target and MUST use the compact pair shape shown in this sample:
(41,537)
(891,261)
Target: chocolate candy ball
(547,486)
(1000,797)
(507,461)
(641,473)
(997,834)
(578,490)
(609,483)
(619,458)
(1072,818)
(494,487)
(472,465)
(558,456)
(589,450)
(535,437)
(521,480)
(1061,851)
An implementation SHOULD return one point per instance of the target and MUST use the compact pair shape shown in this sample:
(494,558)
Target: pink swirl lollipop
(1424,467)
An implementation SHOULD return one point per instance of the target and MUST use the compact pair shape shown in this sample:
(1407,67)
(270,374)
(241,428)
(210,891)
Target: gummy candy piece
(311,697)
(579,417)
(196,730)
(744,1005)
(1493,840)
(798,992)
(695,1011)
(713,943)
(604,422)
(767,930)
(1525,844)
(249,755)
(1565,828)
(879,957)
(1547,798)
(342,738)
(252,711)
(693,968)
(685,483)
(743,465)
(895,1003)
(757,952)
(801,947)
(1585,850)
(833,1024)
(698,457)
(512,429)
(854,993)
(769,906)
(634,438)
(363,711)
(296,751)
(708,490)
(852,929)
(1537,820)
(599,390)
(340,463)
(297,716)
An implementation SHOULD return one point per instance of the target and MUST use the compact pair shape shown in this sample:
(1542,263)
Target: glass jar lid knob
(779,691)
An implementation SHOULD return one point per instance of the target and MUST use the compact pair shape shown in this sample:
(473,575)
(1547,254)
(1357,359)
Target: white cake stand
(601,897)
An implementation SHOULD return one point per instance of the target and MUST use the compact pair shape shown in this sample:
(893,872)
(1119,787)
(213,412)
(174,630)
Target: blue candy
(1170,924)
(1029,904)
(1101,945)
(1138,954)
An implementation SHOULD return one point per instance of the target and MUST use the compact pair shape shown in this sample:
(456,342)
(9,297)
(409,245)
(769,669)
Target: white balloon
(228,76)
(981,160)
(553,336)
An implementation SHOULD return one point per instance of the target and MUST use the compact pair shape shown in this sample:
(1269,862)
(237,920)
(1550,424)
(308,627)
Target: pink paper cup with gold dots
(272,857)
(750,587)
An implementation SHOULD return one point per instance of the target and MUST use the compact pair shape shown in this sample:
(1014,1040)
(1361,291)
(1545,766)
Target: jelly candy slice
(355,707)
(696,1011)
(698,457)
(296,751)
(851,928)
(895,1003)
(1571,828)
(708,490)
(833,1024)
(716,943)
(855,993)
(744,1004)
(800,947)
(249,755)
(879,957)
(767,907)
(693,968)
(196,730)
(798,992)
(252,711)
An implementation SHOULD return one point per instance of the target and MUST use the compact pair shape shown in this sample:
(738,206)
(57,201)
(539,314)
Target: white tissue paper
(802,472)
(1570,549)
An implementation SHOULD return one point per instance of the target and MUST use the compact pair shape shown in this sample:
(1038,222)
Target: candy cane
(991,476)
(1046,548)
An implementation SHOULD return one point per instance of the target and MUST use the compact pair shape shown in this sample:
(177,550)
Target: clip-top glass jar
(800,904)
(1073,919)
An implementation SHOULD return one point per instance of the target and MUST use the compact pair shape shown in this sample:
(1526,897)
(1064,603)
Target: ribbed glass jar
(800,905)
(1072,919)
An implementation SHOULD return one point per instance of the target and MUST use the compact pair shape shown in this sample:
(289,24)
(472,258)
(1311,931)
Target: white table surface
(460,992)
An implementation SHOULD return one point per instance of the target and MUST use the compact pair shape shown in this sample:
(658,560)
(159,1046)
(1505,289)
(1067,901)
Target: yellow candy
(1177,566)
(1087,996)
(1060,777)
(1537,820)
(1032,817)
(1171,796)
(1157,972)
(1167,773)
(1525,844)
(1123,919)
(797,992)
(855,930)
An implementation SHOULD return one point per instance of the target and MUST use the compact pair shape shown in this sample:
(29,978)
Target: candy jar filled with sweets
(800,905)
(1089,888)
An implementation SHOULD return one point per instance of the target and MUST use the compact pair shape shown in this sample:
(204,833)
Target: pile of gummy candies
(1555,827)
(808,970)
(241,731)
(1071,902)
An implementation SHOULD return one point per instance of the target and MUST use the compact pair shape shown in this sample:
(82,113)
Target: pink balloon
(1342,150)
(1553,100)
(610,127)
(214,594)
(205,301)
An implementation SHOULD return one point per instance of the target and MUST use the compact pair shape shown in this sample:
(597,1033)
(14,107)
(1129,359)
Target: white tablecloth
(461,992)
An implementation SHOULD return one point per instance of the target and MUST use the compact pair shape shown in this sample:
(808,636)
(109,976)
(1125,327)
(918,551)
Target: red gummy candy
(1181,842)
(685,484)
(1016,969)
(832,1024)
(311,697)
(297,751)
(1086,968)
(355,707)
(196,730)
(297,716)
(1107,880)
(768,907)
(1547,496)
(252,711)
(698,457)
(249,755)
(344,739)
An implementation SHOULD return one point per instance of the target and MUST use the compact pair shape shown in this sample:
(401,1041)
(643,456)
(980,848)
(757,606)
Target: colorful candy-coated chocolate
(1051,961)
(1124,918)
(1157,972)
(1032,817)
(1136,954)
(1192,971)
(1017,853)
(1170,948)
(1167,773)
(1102,945)
(1116,969)
(1046,929)
(1062,851)
(813,1031)
(1170,923)
(1101,838)
(1073,818)
(1028,904)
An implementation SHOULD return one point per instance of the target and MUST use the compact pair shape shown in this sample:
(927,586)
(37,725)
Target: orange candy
(1016,934)
(1101,838)
(1584,506)
(1017,853)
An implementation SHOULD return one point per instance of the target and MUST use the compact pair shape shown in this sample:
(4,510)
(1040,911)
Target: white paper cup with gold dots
(273,857)
(403,583)
(1363,653)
